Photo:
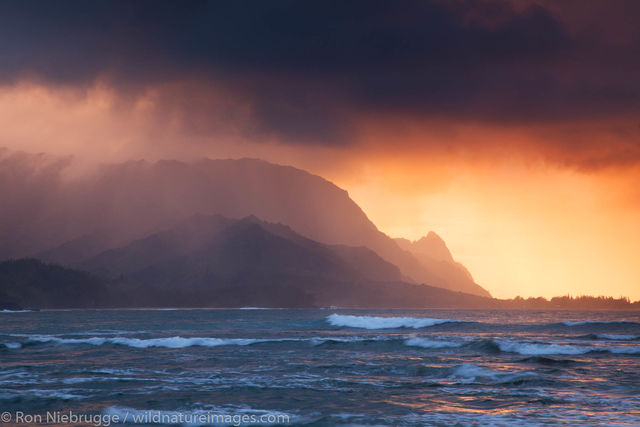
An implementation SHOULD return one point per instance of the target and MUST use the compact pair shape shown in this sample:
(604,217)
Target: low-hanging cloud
(308,72)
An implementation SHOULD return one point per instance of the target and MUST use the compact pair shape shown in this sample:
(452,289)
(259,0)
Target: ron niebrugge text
(61,417)
(142,417)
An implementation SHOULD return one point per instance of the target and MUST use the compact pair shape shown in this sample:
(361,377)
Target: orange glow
(524,216)
(524,230)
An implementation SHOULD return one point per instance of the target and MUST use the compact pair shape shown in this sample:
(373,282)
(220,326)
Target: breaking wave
(599,322)
(373,322)
(523,348)
(170,342)
(537,349)
(428,343)
(468,372)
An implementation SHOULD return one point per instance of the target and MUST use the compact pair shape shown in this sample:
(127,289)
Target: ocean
(319,367)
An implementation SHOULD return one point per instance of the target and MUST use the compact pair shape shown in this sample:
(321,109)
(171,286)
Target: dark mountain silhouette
(33,284)
(432,252)
(209,252)
(63,218)
(212,261)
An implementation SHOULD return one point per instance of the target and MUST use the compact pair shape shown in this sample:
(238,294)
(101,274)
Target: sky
(511,128)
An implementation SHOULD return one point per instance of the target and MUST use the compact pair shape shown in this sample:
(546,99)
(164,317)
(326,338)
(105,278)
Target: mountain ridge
(120,202)
(212,261)
(432,252)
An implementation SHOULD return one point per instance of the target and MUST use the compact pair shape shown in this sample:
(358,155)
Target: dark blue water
(322,367)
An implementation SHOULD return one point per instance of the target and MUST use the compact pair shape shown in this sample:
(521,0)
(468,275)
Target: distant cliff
(31,284)
(61,216)
(434,255)
(213,261)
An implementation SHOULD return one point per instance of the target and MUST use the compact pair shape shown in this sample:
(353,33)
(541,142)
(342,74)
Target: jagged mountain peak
(139,198)
(434,246)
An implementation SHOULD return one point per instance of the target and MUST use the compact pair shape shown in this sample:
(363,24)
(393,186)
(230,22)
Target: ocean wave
(598,322)
(347,340)
(534,349)
(182,342)
(537,349)
(618,337)
(372,322)
(541,360)
(59,394)
(624,349)
(169,342)
(106,332)
(11,345)
(491,346)
(610,337)
(469,372)
(428,343)
(496,346)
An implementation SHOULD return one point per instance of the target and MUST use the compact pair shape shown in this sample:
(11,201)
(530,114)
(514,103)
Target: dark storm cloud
(306,67)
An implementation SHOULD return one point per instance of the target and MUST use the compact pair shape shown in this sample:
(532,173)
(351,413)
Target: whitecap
(624,349)
(536,349)
(597,322)
(428,343)
(12,345)
(372,322)
(468,372)
(169,342)
(352,339)
(617,337)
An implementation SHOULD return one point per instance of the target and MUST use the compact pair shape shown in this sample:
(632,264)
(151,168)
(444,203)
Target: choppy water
(325,367)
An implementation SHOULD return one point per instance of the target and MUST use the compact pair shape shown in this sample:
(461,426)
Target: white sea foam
(169,342)
(182,342)
(469,372)
(596,322)
(536,349)
(429,343)
(372,322)
(350,339)
(617,337)
(60,394)
(12,345)
(625,349)
(323,340)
